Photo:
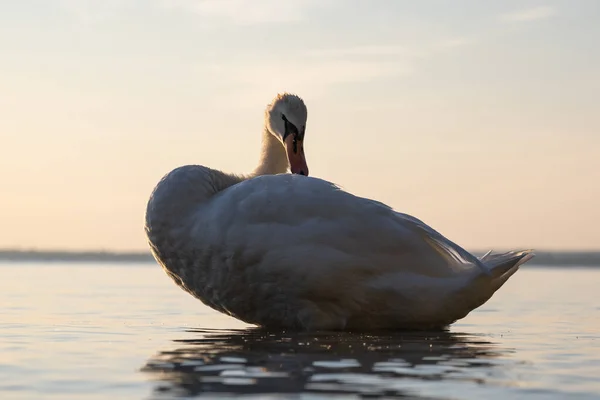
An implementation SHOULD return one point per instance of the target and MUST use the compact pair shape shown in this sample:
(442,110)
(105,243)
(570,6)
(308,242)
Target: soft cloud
(398,52)
(250,84)
(530,14)
(248,12)
(455,42)
(367,51)
(239,12)
(92,11)
(316,71)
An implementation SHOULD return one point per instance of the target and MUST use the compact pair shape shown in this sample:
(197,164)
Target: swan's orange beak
(295,154)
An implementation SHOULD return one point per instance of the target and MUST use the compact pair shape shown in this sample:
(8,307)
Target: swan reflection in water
(229,363)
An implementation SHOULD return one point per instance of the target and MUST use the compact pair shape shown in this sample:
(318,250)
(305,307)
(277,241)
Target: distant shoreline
(74,256)
(549,258)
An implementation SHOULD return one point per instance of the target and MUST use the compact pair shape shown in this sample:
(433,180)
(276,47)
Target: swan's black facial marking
(290,129)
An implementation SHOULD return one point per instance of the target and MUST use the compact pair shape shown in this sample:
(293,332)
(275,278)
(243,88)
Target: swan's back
(296,214)
(293,251)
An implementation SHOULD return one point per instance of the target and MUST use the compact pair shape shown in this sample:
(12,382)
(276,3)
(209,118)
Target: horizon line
(548,258)
(147,251)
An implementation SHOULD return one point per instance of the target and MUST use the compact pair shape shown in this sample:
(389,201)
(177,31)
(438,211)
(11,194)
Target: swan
(291,251)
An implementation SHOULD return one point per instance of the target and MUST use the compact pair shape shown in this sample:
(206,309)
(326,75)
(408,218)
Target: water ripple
(386,365)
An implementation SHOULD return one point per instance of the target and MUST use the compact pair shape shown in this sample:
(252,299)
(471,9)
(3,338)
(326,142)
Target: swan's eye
(289,128)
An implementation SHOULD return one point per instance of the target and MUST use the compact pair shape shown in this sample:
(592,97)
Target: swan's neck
(273,159)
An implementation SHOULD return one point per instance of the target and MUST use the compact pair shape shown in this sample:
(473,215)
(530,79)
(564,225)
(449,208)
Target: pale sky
(479,117)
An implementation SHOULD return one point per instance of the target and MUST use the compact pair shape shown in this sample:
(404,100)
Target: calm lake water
(125,331)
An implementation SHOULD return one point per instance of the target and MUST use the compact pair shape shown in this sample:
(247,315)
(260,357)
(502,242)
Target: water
(125,331)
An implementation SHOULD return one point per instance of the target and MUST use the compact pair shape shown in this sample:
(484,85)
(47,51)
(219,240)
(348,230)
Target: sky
(480,118)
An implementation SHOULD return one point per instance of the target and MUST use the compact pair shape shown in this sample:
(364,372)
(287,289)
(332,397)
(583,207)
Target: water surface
(86,331)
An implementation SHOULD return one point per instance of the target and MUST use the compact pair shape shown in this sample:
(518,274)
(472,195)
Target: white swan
(297,252)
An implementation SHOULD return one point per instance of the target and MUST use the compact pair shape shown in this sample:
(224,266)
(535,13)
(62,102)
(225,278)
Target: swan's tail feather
(497,269)
(503,265)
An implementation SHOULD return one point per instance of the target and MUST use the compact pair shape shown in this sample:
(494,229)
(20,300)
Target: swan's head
(286,120)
